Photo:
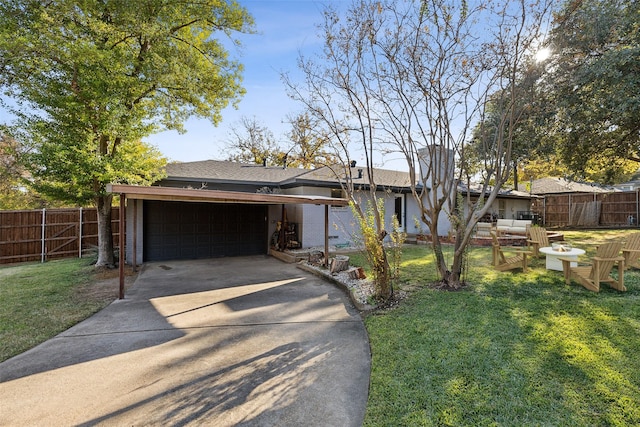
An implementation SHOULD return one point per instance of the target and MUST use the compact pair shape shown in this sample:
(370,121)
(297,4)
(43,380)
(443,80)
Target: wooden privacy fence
(39,235)
(619,209)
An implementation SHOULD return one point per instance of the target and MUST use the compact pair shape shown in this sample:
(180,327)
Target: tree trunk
(338,264)
(106,256)
(441,264)
(450,276)
(384,285)
(455,275)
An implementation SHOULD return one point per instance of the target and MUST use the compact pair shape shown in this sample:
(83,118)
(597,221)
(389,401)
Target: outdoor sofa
(513,226)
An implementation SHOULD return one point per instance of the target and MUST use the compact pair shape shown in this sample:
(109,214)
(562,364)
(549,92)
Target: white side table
(553,263)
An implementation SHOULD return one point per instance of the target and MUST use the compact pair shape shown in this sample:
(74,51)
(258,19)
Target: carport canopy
(213,196)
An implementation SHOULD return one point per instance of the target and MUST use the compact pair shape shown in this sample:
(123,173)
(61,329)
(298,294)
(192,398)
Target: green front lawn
(509,349)
(38,301)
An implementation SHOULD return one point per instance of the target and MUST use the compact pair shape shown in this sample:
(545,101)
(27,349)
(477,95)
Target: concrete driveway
(234,341)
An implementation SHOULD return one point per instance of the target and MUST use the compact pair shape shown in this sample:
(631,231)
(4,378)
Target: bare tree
(337,94)
(252,142)
(414,77)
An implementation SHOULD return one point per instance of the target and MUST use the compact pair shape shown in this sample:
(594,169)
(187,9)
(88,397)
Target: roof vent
(359,173)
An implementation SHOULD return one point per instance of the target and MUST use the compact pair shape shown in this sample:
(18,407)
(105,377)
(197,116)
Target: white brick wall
(343,227)
(340,226)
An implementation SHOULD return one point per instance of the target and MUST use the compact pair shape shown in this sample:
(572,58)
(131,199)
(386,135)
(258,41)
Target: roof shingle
(544,186)
(226,171)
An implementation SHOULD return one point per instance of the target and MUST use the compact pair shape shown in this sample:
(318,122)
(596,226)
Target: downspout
(326,236)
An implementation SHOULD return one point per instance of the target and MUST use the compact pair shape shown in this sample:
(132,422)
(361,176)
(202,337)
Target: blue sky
(285,28)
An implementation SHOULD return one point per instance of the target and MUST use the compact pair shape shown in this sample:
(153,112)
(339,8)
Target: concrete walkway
(243,341)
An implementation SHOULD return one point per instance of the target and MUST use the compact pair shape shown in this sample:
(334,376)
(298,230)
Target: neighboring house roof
(629,185)
(476,189)
(544,186)
(218,171)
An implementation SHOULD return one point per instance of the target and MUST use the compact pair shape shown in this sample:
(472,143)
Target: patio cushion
(513,226)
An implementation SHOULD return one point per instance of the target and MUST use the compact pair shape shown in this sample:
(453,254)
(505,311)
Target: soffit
(218,196)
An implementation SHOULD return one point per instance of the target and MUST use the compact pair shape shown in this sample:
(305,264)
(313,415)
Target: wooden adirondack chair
(503,263)
(483,229)
(591,276)
(538,238)
(631,251)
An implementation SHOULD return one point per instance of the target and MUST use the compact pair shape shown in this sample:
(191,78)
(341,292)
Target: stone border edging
(359,305)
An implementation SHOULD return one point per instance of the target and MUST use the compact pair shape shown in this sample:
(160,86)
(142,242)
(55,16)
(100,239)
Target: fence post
(570,223)
(80,235)
(42,246)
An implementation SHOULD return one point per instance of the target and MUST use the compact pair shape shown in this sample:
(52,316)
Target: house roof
(359,175)
(233,172)
(225,171)
(544,186)
(633,184)
(476,189)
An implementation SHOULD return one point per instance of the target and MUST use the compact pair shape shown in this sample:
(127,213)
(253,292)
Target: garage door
(182,230)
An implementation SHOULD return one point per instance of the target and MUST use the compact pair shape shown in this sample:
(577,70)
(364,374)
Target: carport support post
(326,235)
(281,241)
(121,240)
(135,233)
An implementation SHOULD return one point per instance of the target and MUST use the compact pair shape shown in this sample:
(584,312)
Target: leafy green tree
(581,104)
(91,79)
(311,146)
(531,114)
(13,191)
(594,75)
(542,167)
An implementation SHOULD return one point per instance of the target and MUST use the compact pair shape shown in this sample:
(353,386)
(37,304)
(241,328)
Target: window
(337,193)
(502,208)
